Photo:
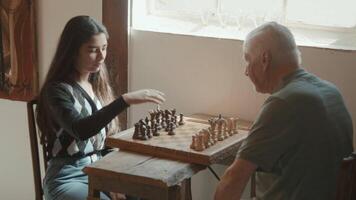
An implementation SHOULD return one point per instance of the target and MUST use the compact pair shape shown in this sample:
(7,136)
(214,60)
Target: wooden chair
(346,185)
(36,160)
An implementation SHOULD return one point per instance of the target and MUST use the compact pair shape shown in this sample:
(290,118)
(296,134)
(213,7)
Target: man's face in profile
(253,67)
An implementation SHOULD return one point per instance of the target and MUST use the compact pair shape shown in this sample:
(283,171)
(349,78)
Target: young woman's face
(92,54)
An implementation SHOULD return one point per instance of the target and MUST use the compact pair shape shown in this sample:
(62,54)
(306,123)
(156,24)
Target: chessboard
(177,147)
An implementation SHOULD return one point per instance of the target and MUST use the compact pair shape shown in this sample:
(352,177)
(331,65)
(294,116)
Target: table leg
(188,189)
(93,194)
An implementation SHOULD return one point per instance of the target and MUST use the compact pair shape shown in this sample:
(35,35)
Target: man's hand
(234,180)
(144,96)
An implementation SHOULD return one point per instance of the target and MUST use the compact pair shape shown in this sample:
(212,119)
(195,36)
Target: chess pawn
(212,134)
(143,135)
(181,121)
(194,141)
(235,126)
(221,122)
(205,137)
(155,131)
(210,141)
(168,125)
(147,121)
(229,126)
(225,132)
(175,120)
(212,123)
(166,114)
(158,124)
(148,131)
(163,123)
(136,132)
(173,111)
(220,135)
(152,115)
(200,143)
(170,129)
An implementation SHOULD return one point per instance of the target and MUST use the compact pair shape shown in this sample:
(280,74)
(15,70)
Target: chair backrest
(346,183)
(34,140)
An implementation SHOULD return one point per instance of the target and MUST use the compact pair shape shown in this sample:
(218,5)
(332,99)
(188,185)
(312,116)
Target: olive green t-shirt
(299,139)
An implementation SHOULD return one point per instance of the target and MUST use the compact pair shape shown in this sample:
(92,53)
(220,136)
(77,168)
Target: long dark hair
(77,31)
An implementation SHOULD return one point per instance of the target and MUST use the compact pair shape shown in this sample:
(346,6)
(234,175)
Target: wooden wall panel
(115,18)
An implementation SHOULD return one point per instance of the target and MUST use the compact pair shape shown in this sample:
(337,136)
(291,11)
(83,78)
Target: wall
(16,180)
(197,75)
(206,75)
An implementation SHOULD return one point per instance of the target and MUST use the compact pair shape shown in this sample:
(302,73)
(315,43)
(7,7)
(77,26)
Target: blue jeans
(65,179)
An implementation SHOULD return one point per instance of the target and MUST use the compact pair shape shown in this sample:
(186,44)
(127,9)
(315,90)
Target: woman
(77,109)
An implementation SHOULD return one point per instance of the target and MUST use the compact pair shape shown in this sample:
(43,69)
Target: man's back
(300,138)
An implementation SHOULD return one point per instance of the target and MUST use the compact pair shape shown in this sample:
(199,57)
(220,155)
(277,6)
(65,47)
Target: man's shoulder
(306,89)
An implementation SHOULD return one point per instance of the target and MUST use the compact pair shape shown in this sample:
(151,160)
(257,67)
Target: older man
(302,132)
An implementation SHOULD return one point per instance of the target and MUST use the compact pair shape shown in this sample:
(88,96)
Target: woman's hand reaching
(144,96)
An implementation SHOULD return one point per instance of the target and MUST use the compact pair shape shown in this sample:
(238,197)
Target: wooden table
(140,175)
(150,177)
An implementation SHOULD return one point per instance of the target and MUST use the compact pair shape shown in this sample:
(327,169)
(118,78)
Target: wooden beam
(115,18)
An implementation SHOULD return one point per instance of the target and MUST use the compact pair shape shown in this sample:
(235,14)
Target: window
(323,23)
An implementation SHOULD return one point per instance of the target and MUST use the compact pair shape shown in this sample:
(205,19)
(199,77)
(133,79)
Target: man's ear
(266,61)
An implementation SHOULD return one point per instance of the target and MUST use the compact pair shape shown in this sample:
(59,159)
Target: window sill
(304,37)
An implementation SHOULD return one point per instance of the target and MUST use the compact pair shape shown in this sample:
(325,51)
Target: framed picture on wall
(18,69)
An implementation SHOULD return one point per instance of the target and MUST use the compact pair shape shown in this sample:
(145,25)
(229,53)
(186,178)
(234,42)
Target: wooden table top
(134,167)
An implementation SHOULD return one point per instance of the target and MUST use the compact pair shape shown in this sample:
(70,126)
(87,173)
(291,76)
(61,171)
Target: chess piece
(158,124)
(200,143)
(175,120)
(136,132)
(229,126)
(147,121)
(152,114)
(141,121)
(163,123)
(152,117)
(155,131)
(143,135)
(168,125)
(234,126)
(221,122)
(212,123)
(181,122)
(220,134)
(205,138)
(148,131)
(194,141)
(225,132)
(171,129)
(173,111)
(209,140)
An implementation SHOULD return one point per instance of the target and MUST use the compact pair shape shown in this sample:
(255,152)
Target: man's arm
(234,180)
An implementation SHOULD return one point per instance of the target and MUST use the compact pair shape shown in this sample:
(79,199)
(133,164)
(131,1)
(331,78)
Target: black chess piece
(148,132)
(136,134)
(175,121)
(171,129)
(143,133)
(173,111)
(147,121)
(181,122)
(168,124)
(155,131)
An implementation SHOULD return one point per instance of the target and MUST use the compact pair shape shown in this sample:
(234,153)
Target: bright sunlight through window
(319,23)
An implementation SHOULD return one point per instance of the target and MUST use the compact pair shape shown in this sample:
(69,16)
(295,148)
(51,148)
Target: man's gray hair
(279,40)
